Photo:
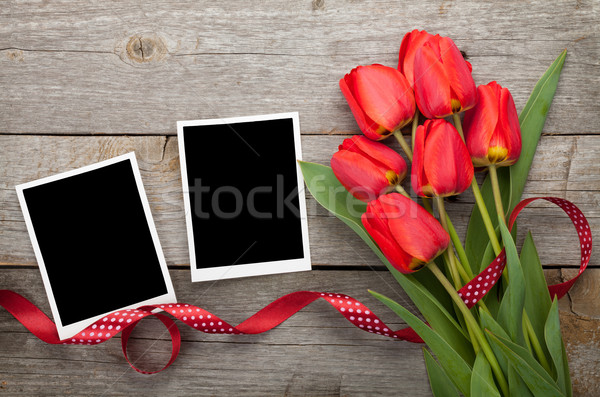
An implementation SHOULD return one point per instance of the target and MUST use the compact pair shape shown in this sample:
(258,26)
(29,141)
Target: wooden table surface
(85,80)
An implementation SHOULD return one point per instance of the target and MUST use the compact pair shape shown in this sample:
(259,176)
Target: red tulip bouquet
(493,329)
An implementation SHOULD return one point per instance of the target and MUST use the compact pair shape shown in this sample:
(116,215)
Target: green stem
(427,205)
(527,339)
(461,269)
(485,216)
(474,342)
(462,255)
(398,135)
(498,203)
(449,254)
(535,343)
(415,124)
(401,190)
(458,125)
(527,326)
(496,190)
(471,322)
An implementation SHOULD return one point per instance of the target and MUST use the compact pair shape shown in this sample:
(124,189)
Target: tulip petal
(379,154)
(458,74)
(415,230)
(479,124)
(379,231)
(432,89)
(363,179)
(385,95)
(366,125)
(418,178)
(510,122)
(411,42)
(447,162)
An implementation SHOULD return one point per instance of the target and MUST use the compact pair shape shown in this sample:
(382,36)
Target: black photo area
(95,242)
(243,190)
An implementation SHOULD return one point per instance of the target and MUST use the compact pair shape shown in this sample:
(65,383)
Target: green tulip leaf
(433,286)
(477,238)
(557,349)
(516,385)
(487,258)
(328,192)
(532,119)
(332,195)
(512,179)
(510,315)
(457,369)
(537,298)
(441,384)
(533,374)
(487,322)
(482,381)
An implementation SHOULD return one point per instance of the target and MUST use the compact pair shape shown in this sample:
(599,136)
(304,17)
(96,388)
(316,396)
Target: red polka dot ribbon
(476,289)
(125,320)
(276,312)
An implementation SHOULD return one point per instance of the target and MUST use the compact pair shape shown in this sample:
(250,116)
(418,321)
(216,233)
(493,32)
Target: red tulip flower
(442,79)
(492,129)
(367,168)
(408,235)
(411,42)
(380,98)
(441,164)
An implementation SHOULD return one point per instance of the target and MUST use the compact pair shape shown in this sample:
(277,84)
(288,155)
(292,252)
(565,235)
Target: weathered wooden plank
(80,68)
(316,352)
(580,321)
(585,294)
(564,166)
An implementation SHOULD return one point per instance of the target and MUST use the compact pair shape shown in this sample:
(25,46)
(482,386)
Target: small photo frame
(95,242)
(243,193)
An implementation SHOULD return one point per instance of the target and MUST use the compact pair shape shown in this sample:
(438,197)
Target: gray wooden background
(82,81)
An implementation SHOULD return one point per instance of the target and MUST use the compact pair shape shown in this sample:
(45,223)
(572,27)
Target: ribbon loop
(175,341)
(281,309)
(476,289)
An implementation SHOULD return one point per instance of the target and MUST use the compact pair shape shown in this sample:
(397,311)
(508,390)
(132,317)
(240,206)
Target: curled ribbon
(125,320)
(278,311)
(476,289)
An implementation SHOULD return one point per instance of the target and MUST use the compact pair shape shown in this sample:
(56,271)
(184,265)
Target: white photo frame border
(251,269)
(70,330)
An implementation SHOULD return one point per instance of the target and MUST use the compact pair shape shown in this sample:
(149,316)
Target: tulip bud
(367,168)
(380,98)
(408,235)
(442,79)
(492,129)
(411,42)
(441,164)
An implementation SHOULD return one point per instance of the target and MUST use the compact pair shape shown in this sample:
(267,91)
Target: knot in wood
(145,48)
(318,5)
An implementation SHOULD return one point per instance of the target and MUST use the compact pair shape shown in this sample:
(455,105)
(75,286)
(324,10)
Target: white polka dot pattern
(476,289)
(354,311)
(358,314)
(281,309)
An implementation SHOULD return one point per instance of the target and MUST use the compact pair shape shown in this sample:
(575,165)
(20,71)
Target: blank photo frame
(95,242)
(243,194)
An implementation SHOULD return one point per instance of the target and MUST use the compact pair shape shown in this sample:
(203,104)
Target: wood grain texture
(82,81)
(80,67)
(564,166)
(316,352)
